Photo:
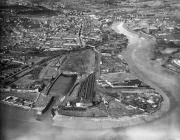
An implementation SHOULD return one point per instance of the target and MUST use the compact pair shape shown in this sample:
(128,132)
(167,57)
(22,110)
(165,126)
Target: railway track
(86,90)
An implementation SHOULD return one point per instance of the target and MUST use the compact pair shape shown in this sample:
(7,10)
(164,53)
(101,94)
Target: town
(67,60)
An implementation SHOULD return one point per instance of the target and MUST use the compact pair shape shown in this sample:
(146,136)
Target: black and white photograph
(89,69)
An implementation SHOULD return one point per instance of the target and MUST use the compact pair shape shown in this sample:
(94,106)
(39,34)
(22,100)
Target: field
(81,62)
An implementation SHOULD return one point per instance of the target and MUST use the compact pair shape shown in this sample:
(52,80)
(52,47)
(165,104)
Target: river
(20,125)
(138,56)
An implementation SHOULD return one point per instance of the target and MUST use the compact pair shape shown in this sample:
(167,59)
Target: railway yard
(84,86)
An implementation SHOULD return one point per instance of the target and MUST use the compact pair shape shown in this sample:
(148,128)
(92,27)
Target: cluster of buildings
(148,103)
(18,102)
(160,23)
(172,64)
(112,64)
(71,30)
(131,83)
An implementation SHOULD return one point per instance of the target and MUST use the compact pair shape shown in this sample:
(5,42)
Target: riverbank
(138,57)
(139,34)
